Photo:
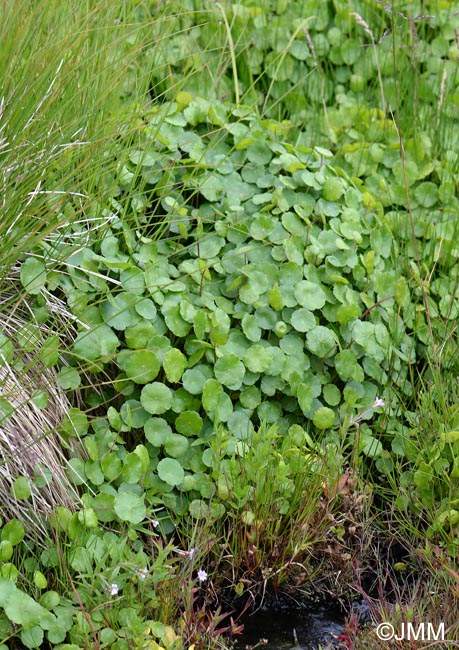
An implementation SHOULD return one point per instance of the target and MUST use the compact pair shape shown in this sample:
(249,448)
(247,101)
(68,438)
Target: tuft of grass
(283,519)
(67,81)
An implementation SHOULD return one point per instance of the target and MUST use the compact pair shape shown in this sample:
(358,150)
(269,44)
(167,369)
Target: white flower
(155,523)
(143,573)
(113,589)
(378,402)
(189,553)
(202,575)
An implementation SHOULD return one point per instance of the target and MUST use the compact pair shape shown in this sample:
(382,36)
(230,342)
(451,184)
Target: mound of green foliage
(293,60)
(267,302)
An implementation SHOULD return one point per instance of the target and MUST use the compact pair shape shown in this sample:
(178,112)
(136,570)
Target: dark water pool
(314,628)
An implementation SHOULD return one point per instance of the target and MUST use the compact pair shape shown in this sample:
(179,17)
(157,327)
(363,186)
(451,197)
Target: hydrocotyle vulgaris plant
(268,302)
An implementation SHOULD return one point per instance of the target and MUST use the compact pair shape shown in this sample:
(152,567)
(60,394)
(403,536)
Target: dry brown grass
(30,445)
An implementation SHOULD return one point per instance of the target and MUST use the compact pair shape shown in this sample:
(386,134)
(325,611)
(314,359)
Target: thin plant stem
(396,121)
(232,53)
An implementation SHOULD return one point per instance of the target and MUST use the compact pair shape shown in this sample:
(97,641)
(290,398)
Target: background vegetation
(228,355)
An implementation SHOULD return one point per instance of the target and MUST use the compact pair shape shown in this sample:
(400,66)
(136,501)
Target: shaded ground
(313,627)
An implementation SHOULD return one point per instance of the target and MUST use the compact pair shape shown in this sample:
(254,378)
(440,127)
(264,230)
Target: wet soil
(285,630)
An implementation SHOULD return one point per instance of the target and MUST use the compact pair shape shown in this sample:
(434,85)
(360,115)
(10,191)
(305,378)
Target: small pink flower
(202,575)
(378,402)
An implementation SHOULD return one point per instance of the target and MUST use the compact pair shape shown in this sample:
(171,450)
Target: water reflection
(320,627)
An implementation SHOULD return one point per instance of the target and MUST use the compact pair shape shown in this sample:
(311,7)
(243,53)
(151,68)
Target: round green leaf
(257,358)
(409,170)
(142,366)
(230,371)
(32,637)
(133,281)
(133,469)
(6,550)
(189,423)
(321,341)
(199,509)
(50,599)
(200,324)
(118,311)
(216,402)
(426,194)
(347,312)
(93,472)
(269,412)
(259,153)
(108,637)
(23,610)
(187,311)
(372,447)
(176,445)
(220,324)
(211,245)
(251,328)
(68,378)
(76,471)
(156,398)
(13,531)
(271,384)
(139,335)
(223,409)
(275,298)
(170,471)
(294,249)
(347,367)
(156,431)
(95,344)
(174,364)
(262,226)
(353,393)
(129,507)
(21,488)
(332,189)
(323,418)
(350,51)
(88,518)
(193,379)
(281,329)
(133,414)
(332,394)
(305,397)
(103,506)
(33,275)
(210,394)
(239,424)
(175,322)
(303,320)
(310,295)
(256,285)
(250,397)
(111,466)
(75,423)
(146,308)
(184,401)
(39,398)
